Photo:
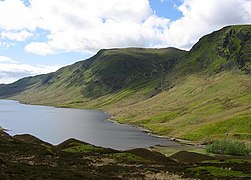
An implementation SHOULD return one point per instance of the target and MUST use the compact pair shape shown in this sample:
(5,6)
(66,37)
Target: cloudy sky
(39,36)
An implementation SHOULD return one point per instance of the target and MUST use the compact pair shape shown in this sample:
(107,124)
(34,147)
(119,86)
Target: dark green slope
(225,49)
(109,71)
(112,70)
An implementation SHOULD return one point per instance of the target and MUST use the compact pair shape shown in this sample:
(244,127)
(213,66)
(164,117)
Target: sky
(40,36)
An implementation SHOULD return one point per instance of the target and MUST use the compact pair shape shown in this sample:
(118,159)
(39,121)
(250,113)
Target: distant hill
(108,71)
(200,95)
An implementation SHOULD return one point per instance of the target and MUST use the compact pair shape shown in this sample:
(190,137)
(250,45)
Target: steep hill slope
(199,95)
(108,72)
(226,49)
(211,96)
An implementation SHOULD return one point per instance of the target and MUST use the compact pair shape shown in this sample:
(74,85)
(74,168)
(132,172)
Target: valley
(201,95)
(197,97)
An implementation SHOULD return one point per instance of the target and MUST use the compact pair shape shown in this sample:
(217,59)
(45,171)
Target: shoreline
(129,138)
(111,119)
(149,132)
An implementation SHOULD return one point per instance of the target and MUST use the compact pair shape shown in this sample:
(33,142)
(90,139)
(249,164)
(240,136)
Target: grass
(128,157)
(219,172)
(237,127)
(228,147)
(83,149)
(198,108)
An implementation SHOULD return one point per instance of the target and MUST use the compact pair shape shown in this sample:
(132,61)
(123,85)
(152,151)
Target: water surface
(55,125)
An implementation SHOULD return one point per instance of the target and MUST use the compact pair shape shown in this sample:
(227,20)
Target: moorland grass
(83,149)
(228,147)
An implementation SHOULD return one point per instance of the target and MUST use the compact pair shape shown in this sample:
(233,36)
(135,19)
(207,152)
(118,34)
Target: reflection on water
(55,125)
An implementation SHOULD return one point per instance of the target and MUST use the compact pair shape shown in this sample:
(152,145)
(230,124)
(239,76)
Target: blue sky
(167,8)
(40,36)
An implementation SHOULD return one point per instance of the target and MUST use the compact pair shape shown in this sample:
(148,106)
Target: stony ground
(26,157)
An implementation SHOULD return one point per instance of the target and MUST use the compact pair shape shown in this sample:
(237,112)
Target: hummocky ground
(26,157)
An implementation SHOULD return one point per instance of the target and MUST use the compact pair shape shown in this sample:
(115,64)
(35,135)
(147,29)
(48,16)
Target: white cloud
(84,25)
(91,25)
(16,36)
(11,70)
(40,48)
(6,59)
(16,16)
(202,17)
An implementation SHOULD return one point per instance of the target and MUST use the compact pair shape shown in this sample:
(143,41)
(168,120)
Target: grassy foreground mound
(26,157)
(201,95)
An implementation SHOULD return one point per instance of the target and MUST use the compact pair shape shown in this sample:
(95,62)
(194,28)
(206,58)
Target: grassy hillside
(201,95)
(210,96)
(199,108)
(108,72)
(226,49)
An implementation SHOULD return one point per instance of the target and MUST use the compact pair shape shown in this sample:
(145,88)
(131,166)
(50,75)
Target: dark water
(55,125)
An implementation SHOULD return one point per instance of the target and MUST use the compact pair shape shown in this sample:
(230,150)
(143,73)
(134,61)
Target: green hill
(226,49)
(200,95)
(108,72)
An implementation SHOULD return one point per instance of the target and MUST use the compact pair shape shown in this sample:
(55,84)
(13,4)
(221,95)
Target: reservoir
(55,125)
